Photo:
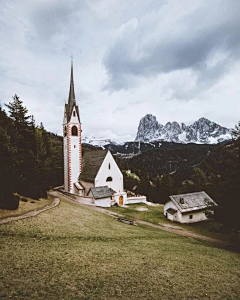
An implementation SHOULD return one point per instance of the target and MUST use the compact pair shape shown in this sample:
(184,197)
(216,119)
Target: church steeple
(72,141)
(71,98)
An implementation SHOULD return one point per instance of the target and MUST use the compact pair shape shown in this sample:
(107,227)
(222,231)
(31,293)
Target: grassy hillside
(71,252)
(25,206)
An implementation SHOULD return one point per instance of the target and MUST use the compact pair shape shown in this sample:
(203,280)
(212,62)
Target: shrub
(24,199)
(9,201)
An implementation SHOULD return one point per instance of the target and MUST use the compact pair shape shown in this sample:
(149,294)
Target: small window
(109,179)
(74,113)
(190,216)
(109,166)
(74,131)
(74,146)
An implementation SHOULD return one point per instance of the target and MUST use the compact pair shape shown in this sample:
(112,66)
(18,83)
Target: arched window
(109,179)
(74,131)
(109,166)
(65,131)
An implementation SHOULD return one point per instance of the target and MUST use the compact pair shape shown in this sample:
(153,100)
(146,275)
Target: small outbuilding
(189,208)
(101,195)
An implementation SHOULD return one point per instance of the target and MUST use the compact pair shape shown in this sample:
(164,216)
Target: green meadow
(72,252)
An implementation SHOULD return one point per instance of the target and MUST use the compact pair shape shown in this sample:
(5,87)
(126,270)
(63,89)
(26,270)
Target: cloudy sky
(177,60)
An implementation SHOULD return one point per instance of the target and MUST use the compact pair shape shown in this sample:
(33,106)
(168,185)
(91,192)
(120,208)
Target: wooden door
(121,200)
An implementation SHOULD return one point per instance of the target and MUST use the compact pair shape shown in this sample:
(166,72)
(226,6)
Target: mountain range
(202,131)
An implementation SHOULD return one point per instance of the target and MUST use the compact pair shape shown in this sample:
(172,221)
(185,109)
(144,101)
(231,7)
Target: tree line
(30,157)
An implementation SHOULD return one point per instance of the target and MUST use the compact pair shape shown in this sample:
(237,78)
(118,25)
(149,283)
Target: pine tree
(199,178)
(18,113)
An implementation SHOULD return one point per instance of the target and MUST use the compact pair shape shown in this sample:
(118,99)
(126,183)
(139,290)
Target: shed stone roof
(101,192)
(192,201)
(92,161)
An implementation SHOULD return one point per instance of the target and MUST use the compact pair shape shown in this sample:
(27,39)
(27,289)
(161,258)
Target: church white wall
(135,200)
(75,162)
(104,172)
(117,195)
(74,119)
(65,157)
(105,202)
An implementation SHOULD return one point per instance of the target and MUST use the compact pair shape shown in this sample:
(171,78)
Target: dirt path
(185,233)
(30,214)
(161,227)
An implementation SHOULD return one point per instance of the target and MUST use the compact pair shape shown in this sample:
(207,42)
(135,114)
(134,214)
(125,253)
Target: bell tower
(72,146)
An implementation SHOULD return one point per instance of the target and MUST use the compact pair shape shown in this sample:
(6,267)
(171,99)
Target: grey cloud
(190,47)
(51,18)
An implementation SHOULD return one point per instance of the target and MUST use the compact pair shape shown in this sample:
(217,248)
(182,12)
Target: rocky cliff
(202,131)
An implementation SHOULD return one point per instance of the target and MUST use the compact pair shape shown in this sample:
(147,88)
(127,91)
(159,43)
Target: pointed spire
(71,97)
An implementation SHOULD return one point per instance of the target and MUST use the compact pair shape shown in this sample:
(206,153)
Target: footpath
(30,214)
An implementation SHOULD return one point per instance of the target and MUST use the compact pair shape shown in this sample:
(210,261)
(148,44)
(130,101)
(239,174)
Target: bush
(9,201)
(24,199)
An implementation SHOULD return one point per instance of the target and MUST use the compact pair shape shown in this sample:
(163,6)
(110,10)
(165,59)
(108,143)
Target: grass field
(72,252)
(25,207)
(155,215)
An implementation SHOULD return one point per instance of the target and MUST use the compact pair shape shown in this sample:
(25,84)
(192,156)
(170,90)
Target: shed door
(121,200)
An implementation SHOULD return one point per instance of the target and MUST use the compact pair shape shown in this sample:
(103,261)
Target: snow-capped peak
(202,131)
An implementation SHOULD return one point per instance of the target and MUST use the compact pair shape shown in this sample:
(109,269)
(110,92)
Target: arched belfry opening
(65,131)
(74,131)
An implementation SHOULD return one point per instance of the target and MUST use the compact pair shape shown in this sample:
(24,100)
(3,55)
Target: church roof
(101,192)
(192,201)
(91,163)
(71,98)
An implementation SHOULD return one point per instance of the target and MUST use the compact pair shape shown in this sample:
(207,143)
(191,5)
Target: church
(95,175)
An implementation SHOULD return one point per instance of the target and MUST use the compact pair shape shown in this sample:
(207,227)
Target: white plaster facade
(72,153)
(104,202)
(134,200)
(110,169)
(187,217)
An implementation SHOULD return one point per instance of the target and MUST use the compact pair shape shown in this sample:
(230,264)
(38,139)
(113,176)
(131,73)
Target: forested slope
(30,157)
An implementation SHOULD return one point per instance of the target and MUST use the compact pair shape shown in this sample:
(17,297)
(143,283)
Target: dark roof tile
(101,192)
(92,161)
